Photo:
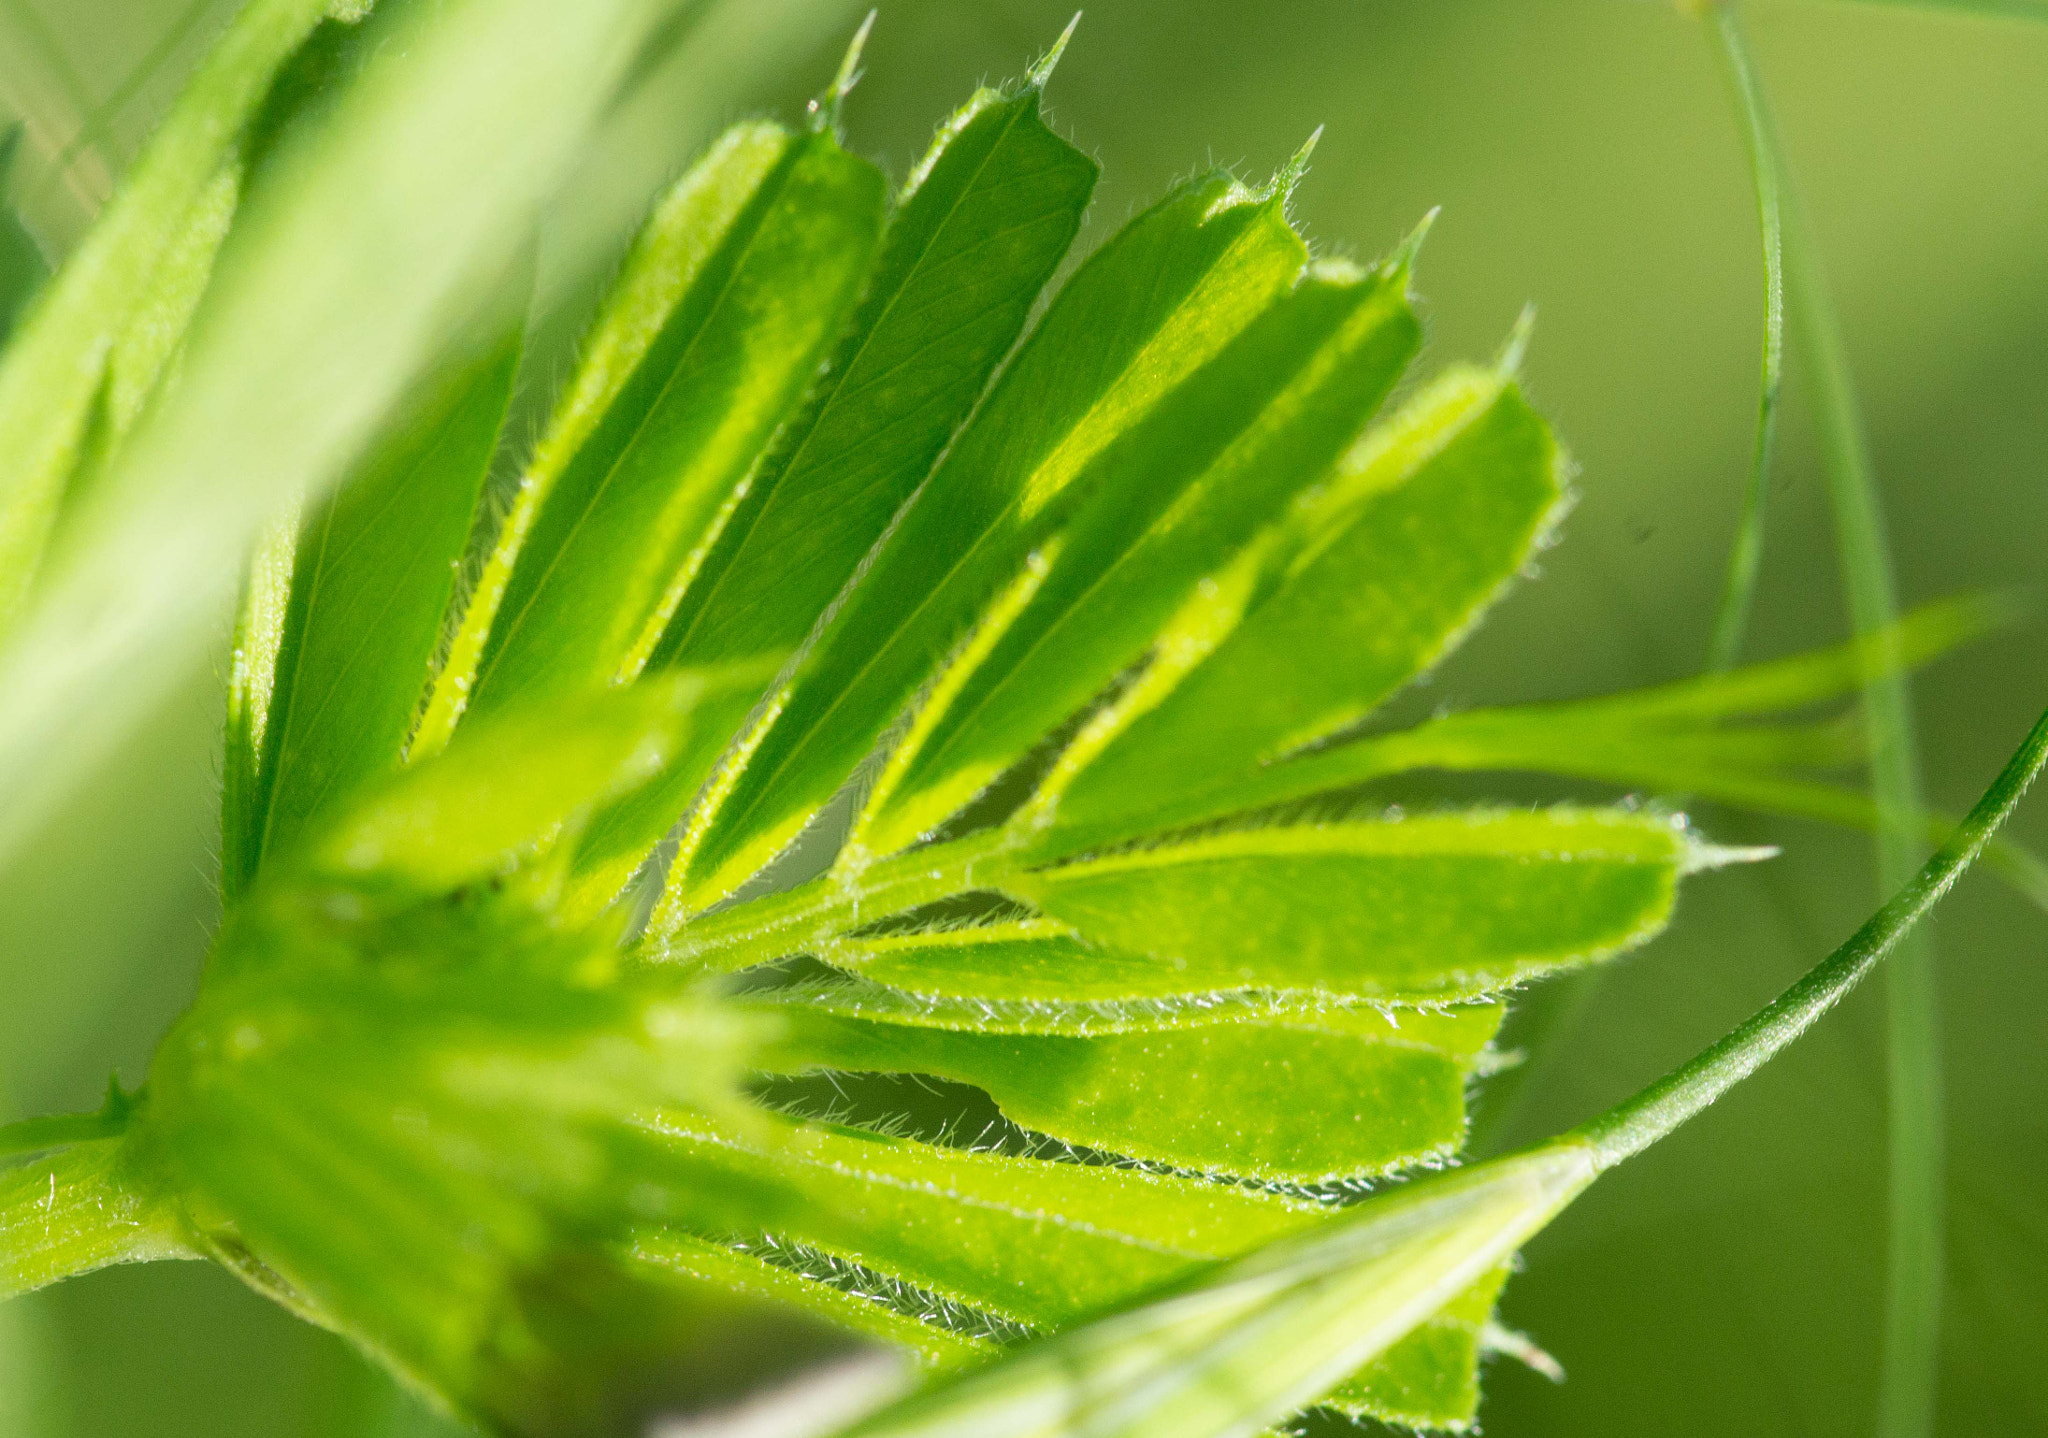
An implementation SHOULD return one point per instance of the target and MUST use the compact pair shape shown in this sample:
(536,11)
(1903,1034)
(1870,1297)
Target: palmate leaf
(491,1065)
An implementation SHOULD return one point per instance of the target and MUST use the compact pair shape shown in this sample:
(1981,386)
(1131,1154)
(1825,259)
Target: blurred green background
(1586,162)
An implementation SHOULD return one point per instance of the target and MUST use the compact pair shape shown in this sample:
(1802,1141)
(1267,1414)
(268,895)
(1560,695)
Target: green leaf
(763,248)
(1236,1347)
(1036,1242)
(1302,1097)
(983,223)
(23,270)
(508,784)
(1442,907)
(743,1273)
(1430,1379)
(92,1205)
(346,280)
(623,833)
(52,370)
(1146,312)
(1208,469)
(1391,564)
(373,572)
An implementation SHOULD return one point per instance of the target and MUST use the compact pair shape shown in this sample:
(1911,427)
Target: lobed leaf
(1212,466)
(1386,568)
(1442,907)
(1034,1242)
(372,575)
(1298,1097)
(1147,311)
(772,236)
(1242,1345)
(981,225)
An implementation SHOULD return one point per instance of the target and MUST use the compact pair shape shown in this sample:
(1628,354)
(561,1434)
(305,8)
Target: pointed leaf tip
(1516,349)
(824,111)
(1041,72)
(1404,254)
(1290,173)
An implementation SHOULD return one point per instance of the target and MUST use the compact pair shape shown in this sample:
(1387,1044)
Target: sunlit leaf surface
(861,681)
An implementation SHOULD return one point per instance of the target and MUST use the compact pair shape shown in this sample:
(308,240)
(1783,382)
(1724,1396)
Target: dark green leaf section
(985,221)
(1441,907)
(1342,1094)
(374,571)
(509,784)
(1179,495)
(23,270)
(1035,1242)
(1147,311)
(1387,568)
(615,539)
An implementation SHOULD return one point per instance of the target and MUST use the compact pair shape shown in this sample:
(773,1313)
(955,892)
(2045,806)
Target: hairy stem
(1637,1122)
(1912,1013)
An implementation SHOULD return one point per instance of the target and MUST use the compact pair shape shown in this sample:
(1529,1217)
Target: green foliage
(1033,643)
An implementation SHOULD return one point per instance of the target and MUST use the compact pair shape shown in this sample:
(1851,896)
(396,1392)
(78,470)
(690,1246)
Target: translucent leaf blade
(1035,1242)
(1147,310)
(606,545)
(1439,907)
(1251,1342)
(1182,494)
(986,219)
(1436,512)
(373,574)
(1304,1098)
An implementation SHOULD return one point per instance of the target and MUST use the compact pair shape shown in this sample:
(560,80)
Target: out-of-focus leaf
(1245,1345)
(409,1127)
(1201,476)
(1428,908)
(1430,1379)
(339,290)
(984,221)
(1306,1097)
(84,1208)
(509,783)
(52,370)
(372,575)
(23,270)
(1145,313)
(1391,563)
(769,240)
(624,832)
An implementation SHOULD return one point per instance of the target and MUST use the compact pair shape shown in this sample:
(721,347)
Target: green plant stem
(1745,556)
(1637,1122)
(1912,1013)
